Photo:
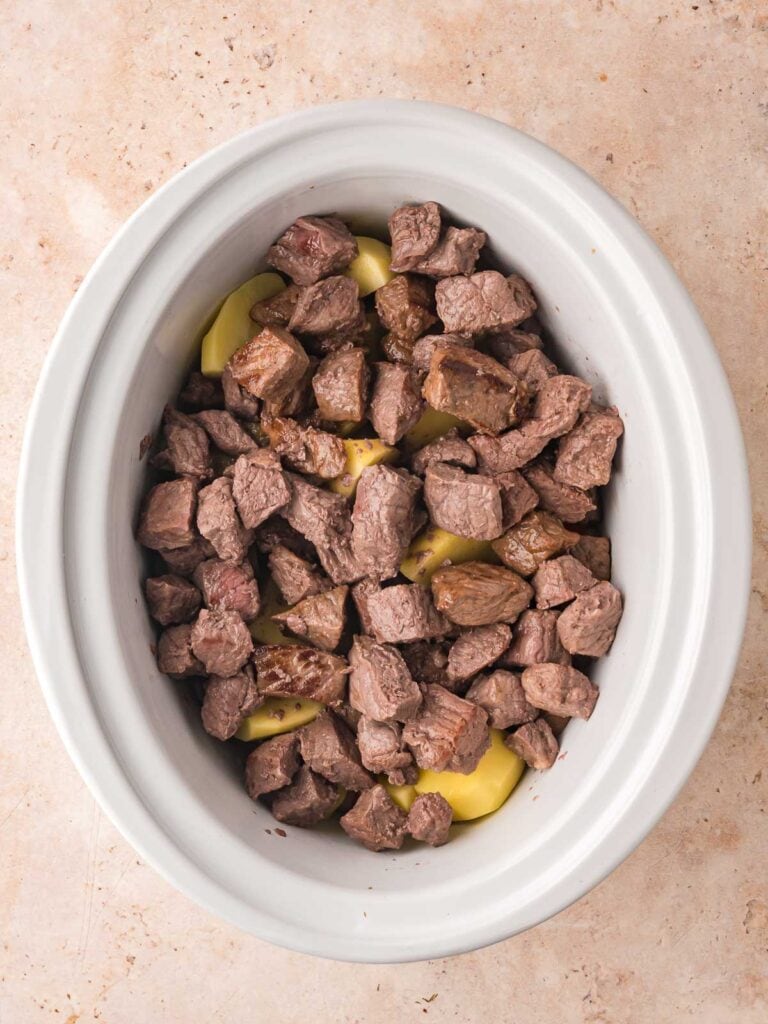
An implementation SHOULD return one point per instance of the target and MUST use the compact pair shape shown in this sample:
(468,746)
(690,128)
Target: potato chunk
(370,268)
(264,629)
(361,453)
(277,715)
(435,548)
(233,325)
(433,424)
(404,795)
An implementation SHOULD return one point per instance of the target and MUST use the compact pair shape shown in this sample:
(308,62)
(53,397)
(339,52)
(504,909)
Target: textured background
(666,104)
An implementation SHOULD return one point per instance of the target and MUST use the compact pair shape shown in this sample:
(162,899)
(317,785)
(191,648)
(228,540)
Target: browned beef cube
(380,685)
(259,487)
(317,514)
(532,367)
(295,577)
(560,689)
(229,586)
(308,800)
(451,447)
(360,594)
(415,232)
(187,451)
(299,400)
(506,453)
(585,456)
(429,819)
(228,700)
(501,695)
(537,537)
(425,348)
(518,498)
(558,404)
(313,247)
(406,306)
(505,342)
(595,553)
(375,821)
(341,386)
(168,516)
(171,599)
(328,747)
(588,626)
(559,580)
(535,640)
(383,519)
(270,365)
(448,733)
(306,449)
(339,559)
(201,393)
(472,305)
(475,388)
(396,402)
(329,305)
(272,765)
(463,503)
(174,653)
(427,663)
(477,594)
(320,619)
(476,649)
(455,253)
(300,672)
(570,504)
(225,432)
(221,640)
(535,743)
(397,349)
(404,613)
(218,521)
(237,400)
(185,560)
(382,750)
(277,311)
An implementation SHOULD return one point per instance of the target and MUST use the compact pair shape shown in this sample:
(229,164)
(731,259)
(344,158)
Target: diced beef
(375,821)
(225,432)
(536,538)
(218,521)
(339,559)
(397,349)
(477,594)
(560,690)
(229,586)
(259,487)
(308,800)
(396,402)
(360,593)
(451,447)
(427,663)
(313,247)
(448,733)
(472,305)
(429,819)
(382,749)
(272,765)
(228,700)
(505,453)
(380,685)
(221,641)
(187,451)
(306,449)
(570,504)
(475,388)
(465,504)
(329,305)
(174,653)
(501,695)
(317,514)
(320,618)
(382,519)
(505,342)
(276,531)
(415,232)
(476,649)
(455,253)
(425,348)
(328,747)
(186,559)
(535,743)
(404,613)
(559,580)
(341,386)
(171,599)
(406,306)
(585,456)
(201,392)
(532,367)
(300,672)
(277,311)
(517,497)
(270,365)
(297,401)
(295,577)
(237,400)
(168,515)
(535,640)
(588,626)
(595,553)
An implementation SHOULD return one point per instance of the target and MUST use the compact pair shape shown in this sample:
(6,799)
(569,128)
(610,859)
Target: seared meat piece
(501,695)
(171,599)
(397,349)
(455,253)
(201,392)
(532,367)
(187,451)
(535,743)
(218,521)
(505,453)
(272,765)
(225,432)
(382,519)
(300,672)
(472,305)
(295,578)
(427,663)
(476,649)
(425,348)
(341,386)
(537,537)
(475,388)
(185,560)
(451,447)
(174,653)
(517,497)
(559,580)
(381,749)
(270,365)
(415,232)
(429,819)
(259,487)
(396,402)
(297,401)
(229,586)
(380,685)
(306,449)
(221,640)
(317,514)
(168,515)
(328,747)
(477,594)
(585,456)
(560,690)
(313,247)
(338,558)
(277,311)
(406,306)
(375,821)
(308,800)
(237,400)
(228,700)
(448,733)
(360,594)
(588,626)
(462,503)
(535,640)
(403,613)
(504,343)
(595,553)
(329,305)
(319,618)
(570,504)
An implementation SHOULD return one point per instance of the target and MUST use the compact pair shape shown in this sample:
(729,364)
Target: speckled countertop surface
(666,104)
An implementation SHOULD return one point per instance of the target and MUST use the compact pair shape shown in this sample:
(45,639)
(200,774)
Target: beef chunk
(532,367)
(171,599)
(229,586)
(270,365)
(397,349)
(218,521)
(537,537)
(477,594)
(328,747)
(477,648)
(503,454)
(505,342)
(406,306)
(272,765)
(319,618)
(259,487)
(425,348)
(174,653)
(517,497)
(415,232)
(403,613)
(595,553)
(383,519)
(451,447)
(295,577)
(455,253)
(294,402)
(375,821)
(185,560)
(560,690)
(341,386)
(228,700)
(225,432)
(360,594)
(237,400)
(306,449)
(201,392)
(427,663)
(570,504)
(167,516)
(535,743)
(584,456)
(300,672)
(396,402)
(308,800)
(501,695)
(559,580)
(588,626)
(472,305)
(187,450)
(382,750)
(448,733)
(475,388)
(317,514)
(429,819)
(380,685)
(535,640)
(462,503)
(330,305)
(277,311)
(220,639)
(313,247)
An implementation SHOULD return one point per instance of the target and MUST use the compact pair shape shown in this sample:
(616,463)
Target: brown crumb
(281,832)
(144,445)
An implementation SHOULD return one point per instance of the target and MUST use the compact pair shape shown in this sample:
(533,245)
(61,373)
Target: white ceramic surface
(678,514)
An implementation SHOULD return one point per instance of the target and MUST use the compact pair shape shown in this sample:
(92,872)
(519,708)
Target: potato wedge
(277,715)
(370,268)
(433,424)
(361,453)
(263,629)
(233,325)
(403,796)
(436,547)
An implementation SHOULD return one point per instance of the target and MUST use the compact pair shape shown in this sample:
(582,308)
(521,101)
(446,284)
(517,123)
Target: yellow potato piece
(403,796)
(482,791)
(436,547)
(277,715)
(263,629)
(370,268)
(233,326)
(433,424)
(361,453)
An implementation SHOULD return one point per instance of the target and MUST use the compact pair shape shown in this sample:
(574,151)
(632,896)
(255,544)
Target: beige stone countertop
(666,104)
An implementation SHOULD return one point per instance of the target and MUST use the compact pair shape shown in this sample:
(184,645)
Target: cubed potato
(433,424)
(436,547)
(370,268)
(233,325)
(361,453)
(277,715)
(403,796)
(263,629)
